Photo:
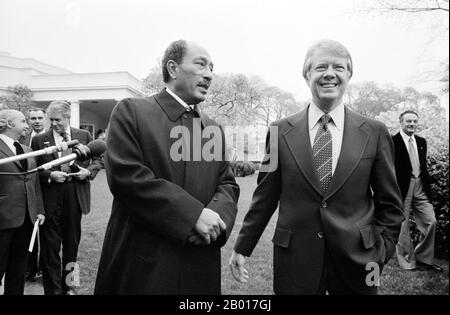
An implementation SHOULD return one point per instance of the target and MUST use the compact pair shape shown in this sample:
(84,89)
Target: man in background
(414,182)
(20,202)
(36,119)
(66,192)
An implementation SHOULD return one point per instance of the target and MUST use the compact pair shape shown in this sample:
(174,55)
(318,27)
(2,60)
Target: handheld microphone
(80,153)
(50,150)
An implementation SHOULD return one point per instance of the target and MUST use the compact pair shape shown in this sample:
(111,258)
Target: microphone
(50,150)
(80,153)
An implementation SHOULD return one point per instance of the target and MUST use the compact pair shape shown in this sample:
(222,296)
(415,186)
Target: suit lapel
(297,139)
(48,141)
(354,143)
(7,151)
(74,135)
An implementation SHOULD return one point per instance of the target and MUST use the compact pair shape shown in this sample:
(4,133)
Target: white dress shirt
(406,138)
(9,142)
(336,127)
(59,139)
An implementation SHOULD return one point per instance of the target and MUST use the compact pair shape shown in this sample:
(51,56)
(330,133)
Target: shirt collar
(337,115)
(406,137)
(9,142)
(179,100)
(34,133)
(59,135)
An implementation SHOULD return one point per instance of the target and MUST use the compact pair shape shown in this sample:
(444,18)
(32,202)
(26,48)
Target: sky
(266,38)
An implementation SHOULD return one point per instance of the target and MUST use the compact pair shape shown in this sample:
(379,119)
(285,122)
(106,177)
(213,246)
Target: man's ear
(172,68)
(9,123)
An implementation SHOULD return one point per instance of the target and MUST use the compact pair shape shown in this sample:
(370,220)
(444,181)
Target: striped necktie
(323,152)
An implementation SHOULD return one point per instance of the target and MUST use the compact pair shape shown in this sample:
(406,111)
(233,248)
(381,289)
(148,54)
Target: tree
(435,10)
(433,124)
(153,83)
(368,99)
(414,6)
(19,97)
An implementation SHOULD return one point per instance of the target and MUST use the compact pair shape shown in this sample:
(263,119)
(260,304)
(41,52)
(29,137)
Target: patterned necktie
(413,158)
(19,151)
(322,152)
(65,167)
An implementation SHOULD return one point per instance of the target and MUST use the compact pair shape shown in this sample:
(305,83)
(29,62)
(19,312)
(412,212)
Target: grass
(394,281)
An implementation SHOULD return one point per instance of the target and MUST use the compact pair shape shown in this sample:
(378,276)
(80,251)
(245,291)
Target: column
(75,114)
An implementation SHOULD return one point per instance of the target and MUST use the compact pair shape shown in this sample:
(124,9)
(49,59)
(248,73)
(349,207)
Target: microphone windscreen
(97,147)
(72,143)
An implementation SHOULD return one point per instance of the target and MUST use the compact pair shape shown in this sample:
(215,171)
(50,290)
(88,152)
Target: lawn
(394,280)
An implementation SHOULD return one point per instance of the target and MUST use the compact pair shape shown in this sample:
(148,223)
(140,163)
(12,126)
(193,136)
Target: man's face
(408,123)
(194,75)
(19,126)
(58,122)
(36,120)
(327,78)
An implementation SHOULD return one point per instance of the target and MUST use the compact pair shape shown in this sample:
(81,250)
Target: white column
(75,114)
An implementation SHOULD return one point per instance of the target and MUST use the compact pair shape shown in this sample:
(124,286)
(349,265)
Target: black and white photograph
(224,152)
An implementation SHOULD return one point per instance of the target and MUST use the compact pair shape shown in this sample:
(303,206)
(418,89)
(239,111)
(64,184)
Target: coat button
(324,204)
(320,235)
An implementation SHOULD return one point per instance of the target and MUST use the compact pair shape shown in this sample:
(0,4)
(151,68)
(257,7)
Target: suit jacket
(83,188)
(358,219)
(26,140)
(403,166)
(20,195)
(157,202)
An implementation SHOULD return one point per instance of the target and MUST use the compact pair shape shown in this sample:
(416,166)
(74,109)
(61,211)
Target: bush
(242,168)
(438,168)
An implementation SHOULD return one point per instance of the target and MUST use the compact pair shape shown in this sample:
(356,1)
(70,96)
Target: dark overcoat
(158,199)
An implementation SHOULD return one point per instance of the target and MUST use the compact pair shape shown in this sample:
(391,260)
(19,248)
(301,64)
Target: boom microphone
(50,150)
(80,153)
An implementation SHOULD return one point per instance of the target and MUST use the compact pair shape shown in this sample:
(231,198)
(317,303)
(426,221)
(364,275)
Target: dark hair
(174,52)
(36,109)
(409,111)
(330,46)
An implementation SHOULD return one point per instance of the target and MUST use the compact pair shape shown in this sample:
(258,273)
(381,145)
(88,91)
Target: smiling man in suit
(66,193)
(20,202)
(340,208)
(36,120)
(414,181)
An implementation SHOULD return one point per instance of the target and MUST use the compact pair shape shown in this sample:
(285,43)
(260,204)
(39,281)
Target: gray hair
(7,115)
(60,106)
(331,46)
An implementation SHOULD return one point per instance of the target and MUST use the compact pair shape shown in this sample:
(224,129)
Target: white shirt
(336,127)
(59,139)
(406,138)
(9,142)
(33,134)
(185,105)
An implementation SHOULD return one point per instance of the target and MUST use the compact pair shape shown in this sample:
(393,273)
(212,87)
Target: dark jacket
(358,219)
(83,188)
(18,192)
(157,202)
(403,166)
